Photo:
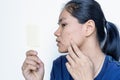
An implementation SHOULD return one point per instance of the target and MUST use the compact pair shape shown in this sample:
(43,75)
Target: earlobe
(90,27)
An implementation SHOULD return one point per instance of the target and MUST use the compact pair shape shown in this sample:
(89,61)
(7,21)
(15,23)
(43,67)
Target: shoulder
(59,71)
(113,68)
(58,66)
(110,70)
(113,63)
(59,60)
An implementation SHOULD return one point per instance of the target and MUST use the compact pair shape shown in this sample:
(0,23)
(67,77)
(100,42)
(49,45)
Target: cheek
(77,37)
(66,37)
(65,41)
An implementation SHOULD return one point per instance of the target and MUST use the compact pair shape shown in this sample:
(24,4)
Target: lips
(58,42)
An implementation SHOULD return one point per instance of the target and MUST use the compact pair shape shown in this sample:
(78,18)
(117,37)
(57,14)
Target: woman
(92,44)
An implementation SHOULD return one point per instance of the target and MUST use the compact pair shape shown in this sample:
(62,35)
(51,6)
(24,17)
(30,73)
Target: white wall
(17,15)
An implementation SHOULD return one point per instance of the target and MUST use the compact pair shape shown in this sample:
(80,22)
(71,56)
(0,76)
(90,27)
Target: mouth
(58,42)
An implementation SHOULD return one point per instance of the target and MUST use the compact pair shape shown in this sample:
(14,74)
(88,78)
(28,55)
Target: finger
(30,68)
(68,67)
(31,62)
(70,60)
(34,58)
(71,53)
(31,53)
(77,50)
(23,66)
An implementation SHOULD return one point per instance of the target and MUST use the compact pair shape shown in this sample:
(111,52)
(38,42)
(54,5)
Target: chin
(63,50)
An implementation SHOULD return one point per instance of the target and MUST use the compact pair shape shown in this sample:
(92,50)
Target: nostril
(57,33)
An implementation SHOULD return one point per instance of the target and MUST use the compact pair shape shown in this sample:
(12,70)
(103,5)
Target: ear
(90,27)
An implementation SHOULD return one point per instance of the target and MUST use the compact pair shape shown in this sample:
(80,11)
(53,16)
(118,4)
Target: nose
(57,32)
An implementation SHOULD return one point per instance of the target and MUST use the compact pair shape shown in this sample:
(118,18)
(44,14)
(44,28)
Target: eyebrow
(60,20)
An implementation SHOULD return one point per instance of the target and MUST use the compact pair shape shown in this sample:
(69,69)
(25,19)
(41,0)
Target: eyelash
(63,25)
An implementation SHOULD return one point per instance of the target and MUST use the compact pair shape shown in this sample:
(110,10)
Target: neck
(93,51)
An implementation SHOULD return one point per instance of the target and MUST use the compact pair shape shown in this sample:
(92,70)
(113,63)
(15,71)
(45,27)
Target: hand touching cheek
(79,66)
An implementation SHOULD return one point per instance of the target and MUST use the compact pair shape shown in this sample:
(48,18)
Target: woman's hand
(79,66)
(33,67)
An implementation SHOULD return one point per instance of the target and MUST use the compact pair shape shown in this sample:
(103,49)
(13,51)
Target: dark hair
(107,32)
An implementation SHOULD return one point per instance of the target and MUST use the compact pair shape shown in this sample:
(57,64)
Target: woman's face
(69,29)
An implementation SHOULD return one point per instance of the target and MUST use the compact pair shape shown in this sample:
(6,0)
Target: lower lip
(58,44)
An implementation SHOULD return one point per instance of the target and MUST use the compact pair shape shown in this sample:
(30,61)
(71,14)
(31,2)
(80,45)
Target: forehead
(65,15)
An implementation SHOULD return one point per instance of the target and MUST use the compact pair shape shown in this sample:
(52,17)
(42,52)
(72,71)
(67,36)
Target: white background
(15,18)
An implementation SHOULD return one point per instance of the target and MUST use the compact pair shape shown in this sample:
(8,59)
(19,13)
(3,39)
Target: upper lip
(57,40)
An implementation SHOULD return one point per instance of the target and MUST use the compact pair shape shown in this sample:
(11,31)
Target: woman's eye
(63,25)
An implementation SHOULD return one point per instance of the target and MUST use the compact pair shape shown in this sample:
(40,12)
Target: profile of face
(69,30)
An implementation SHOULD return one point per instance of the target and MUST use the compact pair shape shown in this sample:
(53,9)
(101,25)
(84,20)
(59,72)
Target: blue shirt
(110,70)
